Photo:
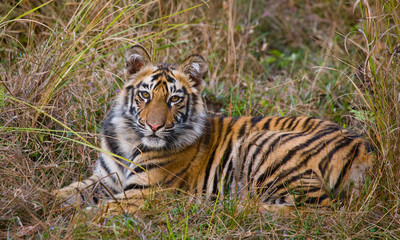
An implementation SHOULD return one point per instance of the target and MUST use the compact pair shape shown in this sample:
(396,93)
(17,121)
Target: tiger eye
(174,99)
(144,94)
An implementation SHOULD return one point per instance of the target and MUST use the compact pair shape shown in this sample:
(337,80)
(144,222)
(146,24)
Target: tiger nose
(154,126)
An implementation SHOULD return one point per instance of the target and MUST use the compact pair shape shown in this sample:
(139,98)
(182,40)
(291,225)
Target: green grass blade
(32,10)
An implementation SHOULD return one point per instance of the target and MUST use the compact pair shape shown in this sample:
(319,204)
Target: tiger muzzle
(156,115)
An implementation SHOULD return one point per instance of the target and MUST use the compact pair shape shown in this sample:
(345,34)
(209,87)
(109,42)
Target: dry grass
(61,67)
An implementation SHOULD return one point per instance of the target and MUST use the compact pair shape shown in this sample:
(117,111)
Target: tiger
(159,134)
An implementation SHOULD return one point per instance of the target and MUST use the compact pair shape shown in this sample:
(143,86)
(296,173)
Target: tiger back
(158,135)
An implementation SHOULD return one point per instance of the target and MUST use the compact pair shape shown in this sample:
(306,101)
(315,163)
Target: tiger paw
(123,206)
(67,196)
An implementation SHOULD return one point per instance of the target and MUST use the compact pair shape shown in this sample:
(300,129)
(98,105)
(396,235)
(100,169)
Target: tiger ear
(136,58)
(196,68)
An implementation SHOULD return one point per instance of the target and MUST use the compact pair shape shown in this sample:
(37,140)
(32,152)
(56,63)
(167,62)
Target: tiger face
(162,103)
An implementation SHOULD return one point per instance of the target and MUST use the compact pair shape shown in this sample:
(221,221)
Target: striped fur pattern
(162,136)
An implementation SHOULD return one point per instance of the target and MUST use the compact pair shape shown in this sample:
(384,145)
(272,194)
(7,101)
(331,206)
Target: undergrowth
(61,66)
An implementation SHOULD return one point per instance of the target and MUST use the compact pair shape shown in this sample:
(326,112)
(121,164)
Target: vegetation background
(61,66)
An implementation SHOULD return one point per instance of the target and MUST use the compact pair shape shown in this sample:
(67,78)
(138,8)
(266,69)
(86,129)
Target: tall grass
(381,75)
(62,65)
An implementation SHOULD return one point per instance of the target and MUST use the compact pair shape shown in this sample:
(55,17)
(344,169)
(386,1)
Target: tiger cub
(158,134)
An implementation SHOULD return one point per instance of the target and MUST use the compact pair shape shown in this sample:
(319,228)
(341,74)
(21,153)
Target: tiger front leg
(82,192)
(127,202)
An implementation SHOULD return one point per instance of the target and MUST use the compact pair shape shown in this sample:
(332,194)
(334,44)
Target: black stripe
(156,76)
(256,153)
(324,162)
(353,154)
(158,83)
(285,121)
(293,119)
(188,105)
(298,120)
(219,126)
(132,93)
(170,79)
(104,165)
(165,68)
(306,128)
(183,183)
(266,124)
(335,127)
(255,120)
(136,101)
(294,135)
(220,123)
(286,183)
(82,196)
(137,151)
(281,140)
(207,130)
(278,121)
(249,146)
(135,186)
(195,98)
(227,153)
(228,177)
(217,176)
(228,131)
(301,190)
(177,175)
(316,200)
(232,123)
(312,128)
(148,167)
(110,136)
(305,124)
(143,168)
(311,189)
(183,90)
(242,129)
(181,107)
(208,169)
(144,85)
(165,85)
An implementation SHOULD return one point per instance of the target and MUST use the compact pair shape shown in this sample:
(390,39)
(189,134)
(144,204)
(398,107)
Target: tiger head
(162,103)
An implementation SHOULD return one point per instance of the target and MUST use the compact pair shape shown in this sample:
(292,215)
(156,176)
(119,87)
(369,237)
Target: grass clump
(61,66)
